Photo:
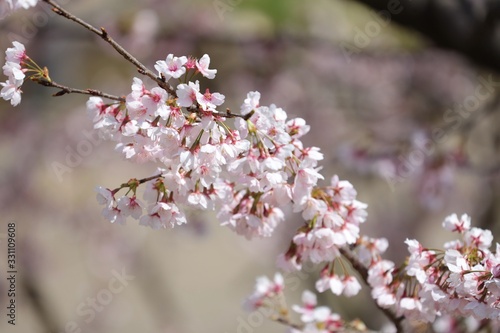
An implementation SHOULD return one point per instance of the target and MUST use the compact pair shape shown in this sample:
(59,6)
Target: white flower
(11,91)
(198,200)
(15,54)
(332,282)
(307,310)
(162,214)
(384,296)
(202,66)
(187,93)
(379,274)
(250,103)
(13,70)
(171,67)
(208,100)
(478,237)
(114,215)
(351,286)
(130,207)
(452,223)
(24,3)
(264,288)
(104,196)
(95,108)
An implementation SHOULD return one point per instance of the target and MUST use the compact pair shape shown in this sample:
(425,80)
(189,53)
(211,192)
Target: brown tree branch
(104,35)
(363,272)
(67,90)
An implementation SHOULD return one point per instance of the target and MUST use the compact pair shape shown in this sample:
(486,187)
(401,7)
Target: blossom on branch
(459,281)
(14,69)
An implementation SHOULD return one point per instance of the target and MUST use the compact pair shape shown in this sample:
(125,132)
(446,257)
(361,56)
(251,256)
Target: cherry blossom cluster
(462,280)
(265,291)
(316,319)
(14,69)
(269,294)
(246,174)
(247,167)
(333,216)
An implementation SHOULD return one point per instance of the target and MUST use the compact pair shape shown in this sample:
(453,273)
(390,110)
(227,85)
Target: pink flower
(452,223)
(384,296)
(370,249)
(130,207)
(379,274)
(162,214)
(96,108)
(347,285)
(104,196)
(11,91)
(351,286)
(198,200)
(14,57)
(250,103)
(309,305)
(209,101)
(16,54)
(13,70)
(202,66)
(478,237)
(171,67)
(264,289)
(332,282)
(114,215)
(187,93)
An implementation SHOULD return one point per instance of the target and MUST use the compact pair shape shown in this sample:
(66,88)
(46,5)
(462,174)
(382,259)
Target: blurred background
(413,126)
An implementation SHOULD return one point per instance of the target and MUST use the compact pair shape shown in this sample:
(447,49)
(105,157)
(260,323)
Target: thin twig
(361,269)
(141,68)
(143,180)
(67,90)
(287,322)
(136,182)
(105,36)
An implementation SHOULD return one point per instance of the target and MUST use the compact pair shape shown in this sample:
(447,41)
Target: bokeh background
(374,104)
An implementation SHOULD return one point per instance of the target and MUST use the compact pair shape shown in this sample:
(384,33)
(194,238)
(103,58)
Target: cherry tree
(249,166)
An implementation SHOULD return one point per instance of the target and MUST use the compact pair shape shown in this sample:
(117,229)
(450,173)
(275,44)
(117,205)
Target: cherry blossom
(171,67)
(460,281)
(264,289)
(202,66)
(11,91)
(249,174)
(316,318)
(14,69)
